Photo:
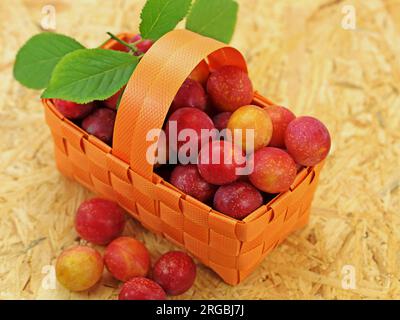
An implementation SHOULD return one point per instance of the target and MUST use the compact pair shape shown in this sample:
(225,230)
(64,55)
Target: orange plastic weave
(232,248)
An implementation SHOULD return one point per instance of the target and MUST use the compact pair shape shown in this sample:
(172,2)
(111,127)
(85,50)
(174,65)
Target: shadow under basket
(232,248)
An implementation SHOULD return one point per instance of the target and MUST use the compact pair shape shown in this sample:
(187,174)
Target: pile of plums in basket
(101,223)
(223,100)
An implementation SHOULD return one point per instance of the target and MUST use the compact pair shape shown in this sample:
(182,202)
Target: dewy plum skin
(191,94)
(219,161)
(127,258)
(188,179)
(274,170)
(140,288)
(99,221)
(100,123)
(175,272)
(307,141)
(230,88)
(238,199)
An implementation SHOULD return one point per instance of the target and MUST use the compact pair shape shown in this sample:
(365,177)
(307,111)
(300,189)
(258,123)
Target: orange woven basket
(231,248)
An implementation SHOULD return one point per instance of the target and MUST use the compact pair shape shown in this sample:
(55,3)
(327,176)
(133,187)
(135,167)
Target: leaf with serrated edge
(90,74)
(161,16)
(215,19)
(37,58)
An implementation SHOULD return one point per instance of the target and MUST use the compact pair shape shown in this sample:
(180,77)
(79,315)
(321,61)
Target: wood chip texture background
(300,56)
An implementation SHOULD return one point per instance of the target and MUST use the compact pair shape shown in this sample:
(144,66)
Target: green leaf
(90,74)
(161,16)
(37,58)
(215,19)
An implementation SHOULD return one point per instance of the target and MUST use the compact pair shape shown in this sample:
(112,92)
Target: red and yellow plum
(230,88)
(274,170)
(307,141)
(127,258)
(252,118)
(79,268)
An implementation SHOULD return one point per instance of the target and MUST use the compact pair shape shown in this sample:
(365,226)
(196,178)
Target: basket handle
(153,86)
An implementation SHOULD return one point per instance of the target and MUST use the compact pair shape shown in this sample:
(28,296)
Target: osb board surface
(298,55)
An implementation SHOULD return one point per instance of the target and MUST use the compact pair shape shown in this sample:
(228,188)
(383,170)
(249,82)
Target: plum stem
(131,46)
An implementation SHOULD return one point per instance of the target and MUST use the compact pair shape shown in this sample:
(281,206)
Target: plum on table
(175,272)
(127,258)
(140,288)
(79,268)
(99,221)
